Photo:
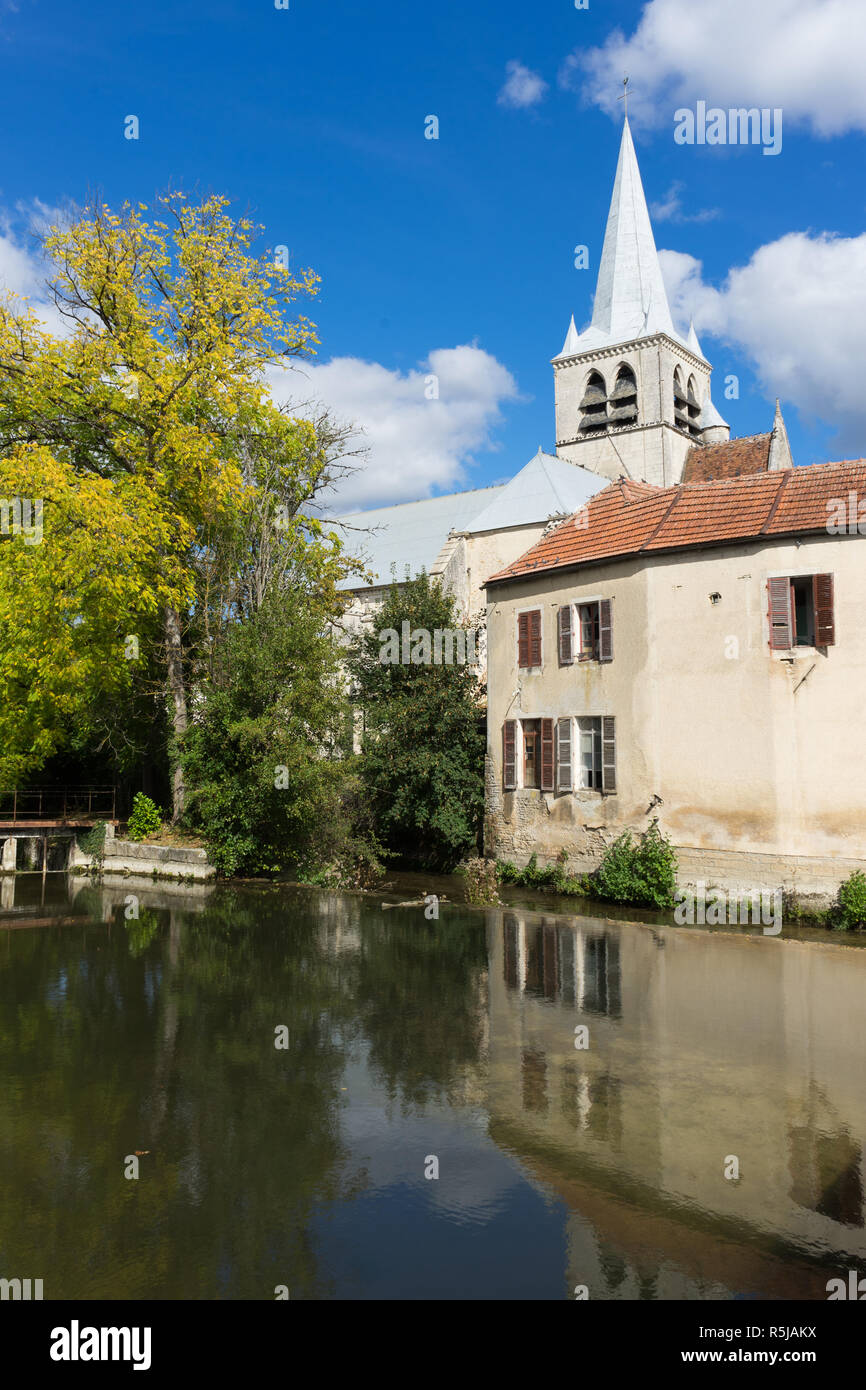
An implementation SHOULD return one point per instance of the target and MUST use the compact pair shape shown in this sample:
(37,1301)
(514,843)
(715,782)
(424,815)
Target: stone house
(694,653)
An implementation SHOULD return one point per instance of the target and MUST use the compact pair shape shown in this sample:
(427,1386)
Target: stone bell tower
(632,394)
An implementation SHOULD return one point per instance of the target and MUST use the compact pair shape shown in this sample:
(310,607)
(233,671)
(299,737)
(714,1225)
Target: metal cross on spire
(624,97)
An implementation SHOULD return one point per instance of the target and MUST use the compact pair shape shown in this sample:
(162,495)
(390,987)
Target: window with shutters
(529,638)
(801,611)
(589,753)
(595,631)
(595,753)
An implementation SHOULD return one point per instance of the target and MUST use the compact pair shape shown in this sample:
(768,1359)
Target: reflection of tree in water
(419,991)
(141,931)
(169,1047)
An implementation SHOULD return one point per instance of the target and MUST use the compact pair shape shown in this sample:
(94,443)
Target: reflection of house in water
(826,1165)
(715,1046)
(554,962)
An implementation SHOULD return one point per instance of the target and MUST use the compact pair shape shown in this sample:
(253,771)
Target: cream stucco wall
(751,752)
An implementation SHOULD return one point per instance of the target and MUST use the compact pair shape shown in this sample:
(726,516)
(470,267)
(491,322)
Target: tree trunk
(177,698)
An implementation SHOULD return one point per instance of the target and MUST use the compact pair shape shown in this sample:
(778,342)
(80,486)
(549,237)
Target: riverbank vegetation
(641,871)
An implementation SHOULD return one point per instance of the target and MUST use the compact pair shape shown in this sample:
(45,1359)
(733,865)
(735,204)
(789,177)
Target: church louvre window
(693,407)
(594,405)
(623,400)
(681,402)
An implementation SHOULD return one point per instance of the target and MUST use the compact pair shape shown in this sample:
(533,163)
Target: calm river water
(415,1046)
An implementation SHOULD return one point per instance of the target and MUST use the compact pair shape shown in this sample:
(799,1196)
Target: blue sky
(313,117)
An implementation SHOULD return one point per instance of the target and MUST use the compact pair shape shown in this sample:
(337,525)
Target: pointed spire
(630,298)
(780,447)
(570,346)
(692,341)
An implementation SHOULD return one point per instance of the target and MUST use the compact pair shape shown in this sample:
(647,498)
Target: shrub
(851,906)
(642,872)
(145,818)
(481,875)
(552,879)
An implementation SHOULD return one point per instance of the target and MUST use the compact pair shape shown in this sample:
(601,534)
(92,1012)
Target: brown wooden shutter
(566,638)
(781,598)
(535,638)
(563,756)
(608,754)
(523,639)
(825,626)
(605,631)
(509,755)
(547,755)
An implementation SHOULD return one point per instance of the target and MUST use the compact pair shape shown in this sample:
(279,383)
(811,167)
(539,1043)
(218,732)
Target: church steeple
(630,389)
(630,297)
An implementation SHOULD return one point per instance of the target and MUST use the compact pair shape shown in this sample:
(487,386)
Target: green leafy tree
(264,755)
(422,764)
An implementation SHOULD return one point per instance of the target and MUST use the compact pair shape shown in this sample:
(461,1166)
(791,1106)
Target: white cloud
(806,56)
(798,311)
(23,272)
(416,445)
(522,88)
(670,209)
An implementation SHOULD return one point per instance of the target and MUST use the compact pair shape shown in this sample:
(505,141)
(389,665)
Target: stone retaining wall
(132,859)
(812,882)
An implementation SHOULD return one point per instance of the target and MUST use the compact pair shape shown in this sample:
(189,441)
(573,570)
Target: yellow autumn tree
(88,566)
(146,403)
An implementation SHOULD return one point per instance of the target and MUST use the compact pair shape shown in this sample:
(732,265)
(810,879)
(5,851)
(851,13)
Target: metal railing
(37,805)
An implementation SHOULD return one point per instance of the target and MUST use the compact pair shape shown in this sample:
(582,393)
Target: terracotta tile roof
(630,518)
(706,462)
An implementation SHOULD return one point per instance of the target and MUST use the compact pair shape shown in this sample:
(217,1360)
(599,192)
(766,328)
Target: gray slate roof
(412,534)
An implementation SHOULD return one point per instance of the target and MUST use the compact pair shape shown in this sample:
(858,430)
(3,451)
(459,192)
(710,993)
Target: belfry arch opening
(593,407)
(623,398)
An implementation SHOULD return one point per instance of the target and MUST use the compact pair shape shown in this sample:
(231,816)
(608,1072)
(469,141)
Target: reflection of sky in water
(459,1236)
